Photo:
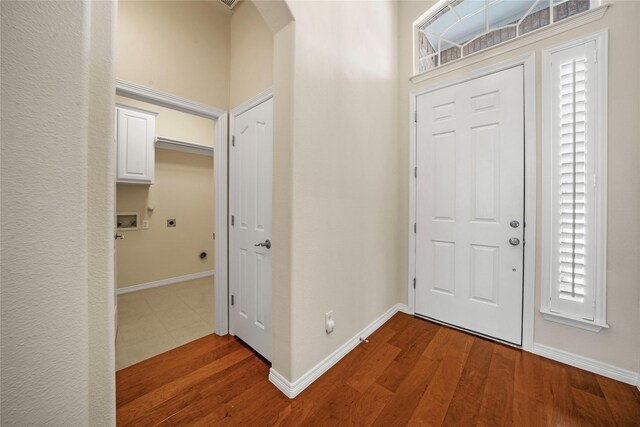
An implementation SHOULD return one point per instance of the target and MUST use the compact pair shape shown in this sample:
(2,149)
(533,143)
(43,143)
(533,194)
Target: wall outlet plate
(329,324)
(145,224)
(171,222)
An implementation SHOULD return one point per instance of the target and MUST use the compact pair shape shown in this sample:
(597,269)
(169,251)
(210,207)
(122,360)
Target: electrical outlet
(329,324)
(145,224)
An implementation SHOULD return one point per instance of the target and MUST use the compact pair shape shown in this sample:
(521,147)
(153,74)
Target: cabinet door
(136,139)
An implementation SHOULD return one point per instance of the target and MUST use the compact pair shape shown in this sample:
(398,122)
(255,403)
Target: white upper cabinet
(135,135)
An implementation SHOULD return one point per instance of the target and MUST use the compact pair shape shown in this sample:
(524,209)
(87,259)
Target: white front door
(470,205)
(250,209)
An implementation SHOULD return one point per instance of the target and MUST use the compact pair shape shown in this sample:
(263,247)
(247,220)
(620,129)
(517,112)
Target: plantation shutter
(573,201)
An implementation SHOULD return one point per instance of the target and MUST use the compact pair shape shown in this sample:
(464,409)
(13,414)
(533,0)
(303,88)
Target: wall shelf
(187,147)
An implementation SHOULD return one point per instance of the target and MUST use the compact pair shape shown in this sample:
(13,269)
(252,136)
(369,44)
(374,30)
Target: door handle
(266,244)
(119,236)
(514,241)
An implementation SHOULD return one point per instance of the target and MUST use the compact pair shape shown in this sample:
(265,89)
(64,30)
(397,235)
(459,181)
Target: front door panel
(470,187)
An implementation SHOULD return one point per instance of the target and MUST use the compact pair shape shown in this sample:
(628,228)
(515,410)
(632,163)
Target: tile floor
(156,320)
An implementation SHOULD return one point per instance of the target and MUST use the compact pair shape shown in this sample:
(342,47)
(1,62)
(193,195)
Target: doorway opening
(177,56)
(165,221)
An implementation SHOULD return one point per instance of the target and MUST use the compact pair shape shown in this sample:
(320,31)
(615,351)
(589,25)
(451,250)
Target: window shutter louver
(572,184)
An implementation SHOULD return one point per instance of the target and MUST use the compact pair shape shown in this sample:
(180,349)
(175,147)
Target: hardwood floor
(411,372)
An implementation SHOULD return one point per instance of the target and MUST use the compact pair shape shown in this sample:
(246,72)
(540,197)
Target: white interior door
(470,205)
(250,209)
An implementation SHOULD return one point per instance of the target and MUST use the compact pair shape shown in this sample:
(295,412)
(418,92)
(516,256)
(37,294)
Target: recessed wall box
(128,221)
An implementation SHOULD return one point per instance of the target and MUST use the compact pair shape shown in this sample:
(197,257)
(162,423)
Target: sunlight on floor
(156,320)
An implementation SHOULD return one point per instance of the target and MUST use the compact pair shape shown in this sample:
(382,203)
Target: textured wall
(251,54)
(340,220)
(284,43)
(178,47)
(101,152)
(57,295)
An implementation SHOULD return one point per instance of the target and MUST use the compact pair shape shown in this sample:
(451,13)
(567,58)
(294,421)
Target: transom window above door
(454,29)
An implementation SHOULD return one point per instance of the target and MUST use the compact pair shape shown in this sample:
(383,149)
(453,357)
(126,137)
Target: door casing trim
(528,62)
(258,99)
(219,117)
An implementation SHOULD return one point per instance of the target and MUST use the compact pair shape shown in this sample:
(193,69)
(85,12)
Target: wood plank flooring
(411,372)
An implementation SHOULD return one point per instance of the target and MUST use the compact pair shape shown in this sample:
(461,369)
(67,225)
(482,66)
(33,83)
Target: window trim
(601,101)
(591,15)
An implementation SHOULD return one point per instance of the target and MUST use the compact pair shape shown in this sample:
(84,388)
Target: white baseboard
(164,282)
(404,308)
(587,364)
(292,389)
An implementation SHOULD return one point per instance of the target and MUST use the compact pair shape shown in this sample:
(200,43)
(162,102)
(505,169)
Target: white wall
(251,50)
(57,277)
(178,47)
(337,223)
(183,189)
(284,42)
(619,345)
(283,74)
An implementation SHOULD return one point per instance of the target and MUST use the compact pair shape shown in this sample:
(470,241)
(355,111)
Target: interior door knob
(266,244)
(514,241)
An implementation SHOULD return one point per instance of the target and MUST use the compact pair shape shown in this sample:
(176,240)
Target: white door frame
(258,99)
(528,61)
(220,150)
